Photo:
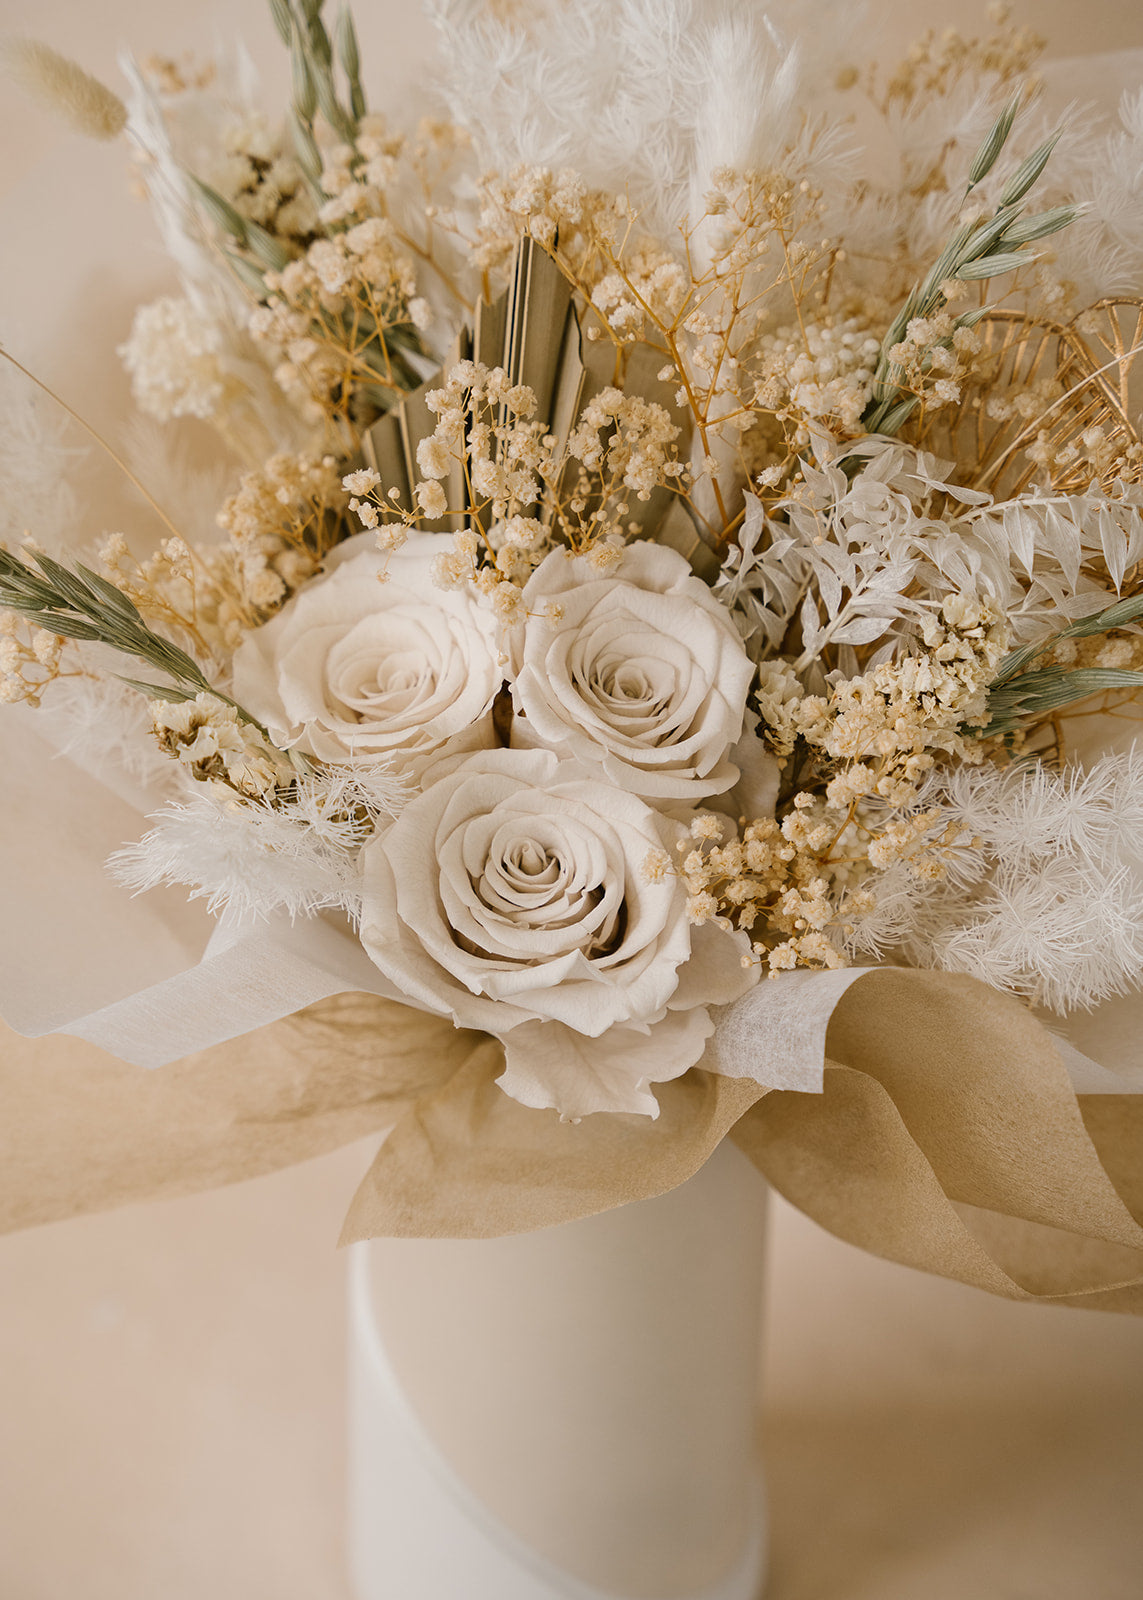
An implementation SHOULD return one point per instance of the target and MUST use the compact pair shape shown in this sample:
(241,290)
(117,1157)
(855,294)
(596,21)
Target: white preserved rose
(355,668)
(511,895)
(639,670)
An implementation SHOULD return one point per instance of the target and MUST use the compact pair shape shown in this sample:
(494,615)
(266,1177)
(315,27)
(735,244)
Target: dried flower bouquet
(664,555)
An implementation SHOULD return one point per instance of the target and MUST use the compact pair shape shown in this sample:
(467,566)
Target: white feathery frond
(646,97)
(299,855)
(39,451)
(104,726)
(1102,252)
(192,483)
(1054,910)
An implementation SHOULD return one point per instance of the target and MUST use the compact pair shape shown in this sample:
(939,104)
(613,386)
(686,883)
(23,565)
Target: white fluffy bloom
(173,356)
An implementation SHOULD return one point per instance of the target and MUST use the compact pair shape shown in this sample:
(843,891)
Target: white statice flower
(373,660)
(174,356)
(511,895)
(639,671)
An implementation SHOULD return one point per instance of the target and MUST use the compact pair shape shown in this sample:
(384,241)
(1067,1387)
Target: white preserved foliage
(1047,902)
(866,561)
(298,855)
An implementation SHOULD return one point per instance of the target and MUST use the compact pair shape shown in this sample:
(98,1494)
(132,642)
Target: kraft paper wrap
(947,1136)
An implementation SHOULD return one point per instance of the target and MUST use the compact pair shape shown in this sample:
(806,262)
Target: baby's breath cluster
(900,712)
(766,880)
(259,175)
(174,356)
(344,316)
(30,659)
(556,208)
(282,521)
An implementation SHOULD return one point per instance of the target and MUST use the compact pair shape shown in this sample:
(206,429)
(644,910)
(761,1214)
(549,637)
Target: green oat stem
(1022,693)
(975,252)
(83,605)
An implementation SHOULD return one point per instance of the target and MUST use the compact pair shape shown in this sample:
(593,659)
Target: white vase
(564,1415)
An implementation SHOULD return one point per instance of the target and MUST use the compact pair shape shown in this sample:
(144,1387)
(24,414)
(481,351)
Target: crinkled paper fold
(945,1134)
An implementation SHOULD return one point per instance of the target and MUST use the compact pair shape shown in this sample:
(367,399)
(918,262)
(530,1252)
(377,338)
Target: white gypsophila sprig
(297,853)
(1049,901)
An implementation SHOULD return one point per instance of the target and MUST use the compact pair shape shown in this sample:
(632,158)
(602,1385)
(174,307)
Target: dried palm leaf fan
(1047,382)
(538,332)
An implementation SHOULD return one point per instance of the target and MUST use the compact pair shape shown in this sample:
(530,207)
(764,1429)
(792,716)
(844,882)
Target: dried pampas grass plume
(88,105)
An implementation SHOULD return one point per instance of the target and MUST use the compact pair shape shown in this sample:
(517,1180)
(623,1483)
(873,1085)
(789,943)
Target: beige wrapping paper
(948,1136)
(81,1131)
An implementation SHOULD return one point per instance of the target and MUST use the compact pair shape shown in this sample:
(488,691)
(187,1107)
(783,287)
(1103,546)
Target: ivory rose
(511,894)
(639,670)
(355,668)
